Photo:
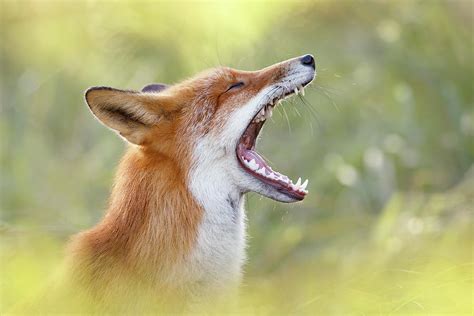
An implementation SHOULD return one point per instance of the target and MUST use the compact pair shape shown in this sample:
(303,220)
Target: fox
(175,224)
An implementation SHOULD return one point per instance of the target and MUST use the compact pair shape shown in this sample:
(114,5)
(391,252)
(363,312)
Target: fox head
(209,122)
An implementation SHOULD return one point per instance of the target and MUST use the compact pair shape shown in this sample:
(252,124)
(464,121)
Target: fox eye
(235,86)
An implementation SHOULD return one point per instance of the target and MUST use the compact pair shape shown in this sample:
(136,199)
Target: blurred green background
(385,135)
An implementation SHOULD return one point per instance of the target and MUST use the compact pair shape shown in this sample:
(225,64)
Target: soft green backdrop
(385,135)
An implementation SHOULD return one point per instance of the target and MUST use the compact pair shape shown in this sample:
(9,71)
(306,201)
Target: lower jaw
(274,184)
(293,195)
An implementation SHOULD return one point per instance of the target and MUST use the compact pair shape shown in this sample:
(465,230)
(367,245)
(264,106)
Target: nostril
(308,60)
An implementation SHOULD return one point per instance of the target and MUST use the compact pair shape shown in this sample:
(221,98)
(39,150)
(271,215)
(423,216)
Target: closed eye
(235,86)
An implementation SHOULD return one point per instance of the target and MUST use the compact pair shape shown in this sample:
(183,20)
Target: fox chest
(219,254)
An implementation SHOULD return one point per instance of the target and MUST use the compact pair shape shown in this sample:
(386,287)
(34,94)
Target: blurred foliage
(385,135)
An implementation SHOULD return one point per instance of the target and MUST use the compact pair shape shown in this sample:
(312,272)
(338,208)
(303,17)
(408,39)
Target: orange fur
(152,219)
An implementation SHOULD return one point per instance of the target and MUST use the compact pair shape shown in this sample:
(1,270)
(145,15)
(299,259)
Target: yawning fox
(175,223)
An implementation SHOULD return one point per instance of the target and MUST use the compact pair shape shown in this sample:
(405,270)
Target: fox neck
(222,232)
(159,221)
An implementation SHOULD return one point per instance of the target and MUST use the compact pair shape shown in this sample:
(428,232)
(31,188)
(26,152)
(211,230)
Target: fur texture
(175,223)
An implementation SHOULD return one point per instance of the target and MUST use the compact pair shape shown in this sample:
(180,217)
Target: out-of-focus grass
(29,262)
(415,259)
(385,136)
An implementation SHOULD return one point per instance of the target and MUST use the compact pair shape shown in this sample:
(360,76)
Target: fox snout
(300,71)
(302,65)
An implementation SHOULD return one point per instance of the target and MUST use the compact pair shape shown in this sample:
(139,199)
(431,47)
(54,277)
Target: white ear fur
(126,112)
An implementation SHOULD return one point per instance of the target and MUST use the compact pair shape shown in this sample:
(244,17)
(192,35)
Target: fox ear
(127,112)
(154,87)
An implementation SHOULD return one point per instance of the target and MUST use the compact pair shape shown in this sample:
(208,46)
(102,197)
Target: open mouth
(255,165)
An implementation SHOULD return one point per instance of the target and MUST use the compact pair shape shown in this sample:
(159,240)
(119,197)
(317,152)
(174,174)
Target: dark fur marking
(122,115)
(154,87)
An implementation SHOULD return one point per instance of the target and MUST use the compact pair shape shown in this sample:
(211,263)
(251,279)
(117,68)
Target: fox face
(208,125)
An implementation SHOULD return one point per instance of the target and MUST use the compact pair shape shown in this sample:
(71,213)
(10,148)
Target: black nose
(308,60)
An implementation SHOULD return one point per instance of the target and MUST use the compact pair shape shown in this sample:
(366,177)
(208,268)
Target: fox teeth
(304,185)
(296,91)
(269,112)
(270,174)
(298,186)
(261,171)
(253,165)
(260,116)
(302,90)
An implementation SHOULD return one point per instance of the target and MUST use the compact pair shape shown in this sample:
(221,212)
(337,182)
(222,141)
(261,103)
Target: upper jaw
(284,89)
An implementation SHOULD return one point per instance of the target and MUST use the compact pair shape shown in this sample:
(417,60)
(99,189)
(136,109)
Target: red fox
(175,221)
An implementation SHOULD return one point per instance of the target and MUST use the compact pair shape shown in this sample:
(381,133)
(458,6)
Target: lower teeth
(252,165)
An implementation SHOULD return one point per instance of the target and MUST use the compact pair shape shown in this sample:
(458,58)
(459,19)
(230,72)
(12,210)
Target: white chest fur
(219,254)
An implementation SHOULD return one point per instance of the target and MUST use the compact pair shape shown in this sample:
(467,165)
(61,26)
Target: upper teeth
(266,111)
(269,112)
(299,89)
(302,90)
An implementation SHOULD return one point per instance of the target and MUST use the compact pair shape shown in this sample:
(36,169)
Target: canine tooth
(269,112)
(298,183)
(302,90)
(296,91)
(303,186)
(261,171)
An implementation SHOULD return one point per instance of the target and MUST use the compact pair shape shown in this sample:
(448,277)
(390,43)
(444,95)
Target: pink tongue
(250,154)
